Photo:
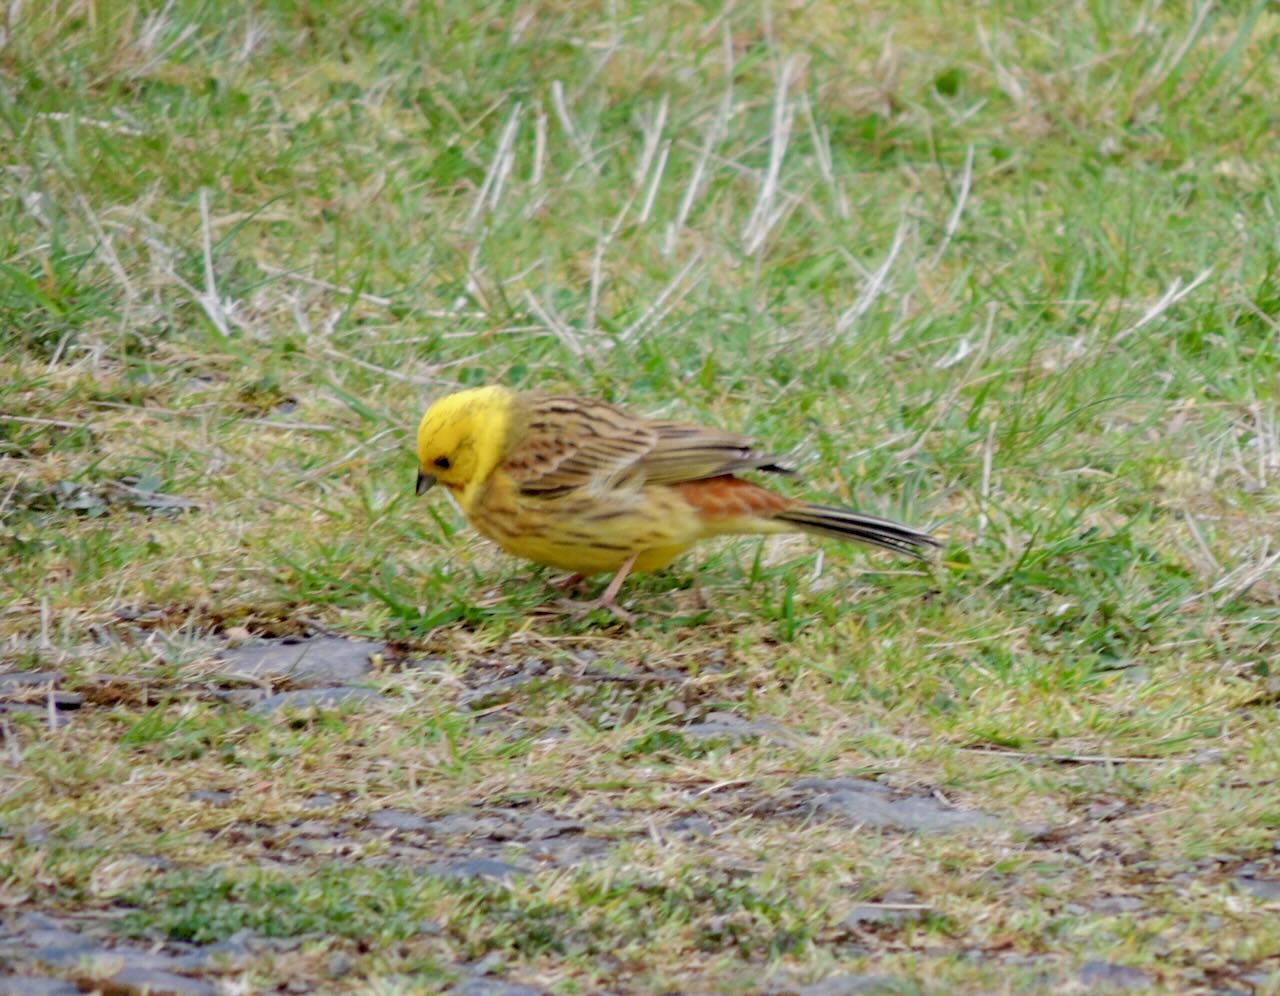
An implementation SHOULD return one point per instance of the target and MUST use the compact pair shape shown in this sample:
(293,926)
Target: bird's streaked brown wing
(569,443)
(694,452)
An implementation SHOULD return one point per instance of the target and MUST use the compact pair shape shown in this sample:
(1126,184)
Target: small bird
(588,488)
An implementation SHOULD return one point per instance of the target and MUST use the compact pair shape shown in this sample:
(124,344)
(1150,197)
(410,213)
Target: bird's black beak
(425,483)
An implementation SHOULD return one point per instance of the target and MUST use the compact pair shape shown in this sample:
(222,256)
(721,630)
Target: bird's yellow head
(462,438)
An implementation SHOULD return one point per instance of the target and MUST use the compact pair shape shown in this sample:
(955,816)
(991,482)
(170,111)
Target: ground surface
(1007,271)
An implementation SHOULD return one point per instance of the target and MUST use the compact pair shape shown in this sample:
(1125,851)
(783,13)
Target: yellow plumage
(586,487)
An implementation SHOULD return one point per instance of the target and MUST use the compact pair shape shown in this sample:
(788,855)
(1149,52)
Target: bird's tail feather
(841,523)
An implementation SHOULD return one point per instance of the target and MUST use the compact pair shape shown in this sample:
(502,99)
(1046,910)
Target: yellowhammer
(586,487)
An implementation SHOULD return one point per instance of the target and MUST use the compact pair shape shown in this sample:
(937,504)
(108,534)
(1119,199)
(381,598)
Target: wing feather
(693,453)
(570,443)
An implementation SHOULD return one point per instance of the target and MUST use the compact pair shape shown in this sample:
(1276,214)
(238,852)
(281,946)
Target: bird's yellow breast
(585,532)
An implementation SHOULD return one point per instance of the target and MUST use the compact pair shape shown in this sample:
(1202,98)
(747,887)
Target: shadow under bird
(587,487)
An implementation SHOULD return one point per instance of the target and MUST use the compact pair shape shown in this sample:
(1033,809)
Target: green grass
(1008,270)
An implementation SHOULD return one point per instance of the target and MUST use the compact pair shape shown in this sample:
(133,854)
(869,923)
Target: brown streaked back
(566,443)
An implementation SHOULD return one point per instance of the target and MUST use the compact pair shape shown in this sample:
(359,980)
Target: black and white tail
(841,523)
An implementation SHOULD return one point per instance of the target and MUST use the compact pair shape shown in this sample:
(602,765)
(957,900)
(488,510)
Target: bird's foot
(607,600)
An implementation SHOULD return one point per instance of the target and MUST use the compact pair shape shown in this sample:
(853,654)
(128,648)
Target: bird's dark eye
(442,463)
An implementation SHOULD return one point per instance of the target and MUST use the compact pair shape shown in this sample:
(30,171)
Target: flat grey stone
(319,698)
(11,680)
(478,985)
(68,958)
(894,907)
(1102,974)
(469,868)
(853,985)
(59,948)
(1262,888)
(240,696)
(66,949)
(214,797)
(691,826)
(230,955)
(56,937)
(733,728)
(40,921)
(36,985)
(468,824)
(143,961)
(567,851)
(321,800)
(1116,904)
(539,826)
(322,662)
(879,916)
(398,819)
(152,982)
(40,710)
(495,692)
(871,804)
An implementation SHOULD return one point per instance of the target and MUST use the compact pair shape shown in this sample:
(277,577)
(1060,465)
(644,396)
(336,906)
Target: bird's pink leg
(607,599)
